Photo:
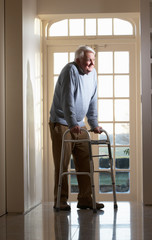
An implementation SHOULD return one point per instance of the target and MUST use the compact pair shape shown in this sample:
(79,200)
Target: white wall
(2,112)
(31,106)
(14,106)
(23,113)
(146,75)
(79,6)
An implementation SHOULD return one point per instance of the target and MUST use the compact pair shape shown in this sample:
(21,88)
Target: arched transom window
(90,27)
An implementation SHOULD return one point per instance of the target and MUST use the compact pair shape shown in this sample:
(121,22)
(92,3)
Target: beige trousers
(80,153)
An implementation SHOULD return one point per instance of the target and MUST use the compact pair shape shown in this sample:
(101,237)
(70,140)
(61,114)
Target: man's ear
(78,61)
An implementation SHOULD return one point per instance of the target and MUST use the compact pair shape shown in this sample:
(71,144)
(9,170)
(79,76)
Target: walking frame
(106,142)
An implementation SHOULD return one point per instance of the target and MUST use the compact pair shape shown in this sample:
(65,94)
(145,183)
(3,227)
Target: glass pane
(60,60)
(122,27)
(109,129)
(104,161)
(72,163)
(105,62)
(90,27)
(122,110)
(37,26)
(55,81)
(72,54)
(106,231)
(76,27)
(59,28)
(122,182)
(121,86)
(122,133)
(105,86)
(105,26)
(121,62)
(105,183)
(124,231)
(122,157)
(105,111)
(74,184)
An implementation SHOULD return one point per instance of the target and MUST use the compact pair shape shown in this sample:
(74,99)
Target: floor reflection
(131,221)
(84,224)
(61,225)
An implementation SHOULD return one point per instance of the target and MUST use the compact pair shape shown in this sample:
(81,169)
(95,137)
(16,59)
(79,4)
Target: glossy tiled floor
(130,222)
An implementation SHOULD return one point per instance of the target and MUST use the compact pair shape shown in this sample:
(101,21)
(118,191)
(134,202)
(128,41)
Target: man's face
(87,62)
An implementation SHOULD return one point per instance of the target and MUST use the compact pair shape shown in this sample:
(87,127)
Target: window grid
(97,24)
(114,146)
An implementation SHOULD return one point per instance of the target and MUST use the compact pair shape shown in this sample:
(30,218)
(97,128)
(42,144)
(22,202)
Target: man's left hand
(98,130)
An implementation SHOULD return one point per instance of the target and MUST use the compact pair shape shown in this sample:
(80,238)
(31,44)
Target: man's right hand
(76,129)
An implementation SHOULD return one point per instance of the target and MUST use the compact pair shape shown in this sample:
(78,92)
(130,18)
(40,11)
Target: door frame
(48,178)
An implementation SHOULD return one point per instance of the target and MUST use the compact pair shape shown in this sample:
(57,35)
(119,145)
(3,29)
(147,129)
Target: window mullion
(68,27)
(85,27)
(114,146)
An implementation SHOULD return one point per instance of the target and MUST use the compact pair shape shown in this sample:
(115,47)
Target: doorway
(116,66)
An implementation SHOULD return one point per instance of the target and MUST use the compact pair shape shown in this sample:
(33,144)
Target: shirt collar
(79,68)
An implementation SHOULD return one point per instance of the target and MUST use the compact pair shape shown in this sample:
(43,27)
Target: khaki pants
(80,154)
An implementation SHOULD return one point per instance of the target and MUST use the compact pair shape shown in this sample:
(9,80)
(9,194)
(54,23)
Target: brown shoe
(63,207)
(90,206)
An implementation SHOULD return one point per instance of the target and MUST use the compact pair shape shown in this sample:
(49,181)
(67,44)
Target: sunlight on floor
(130,221)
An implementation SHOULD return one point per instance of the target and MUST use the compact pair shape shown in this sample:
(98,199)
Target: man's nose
(92,62)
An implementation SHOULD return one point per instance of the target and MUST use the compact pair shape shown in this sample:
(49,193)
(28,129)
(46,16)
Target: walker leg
(112,177)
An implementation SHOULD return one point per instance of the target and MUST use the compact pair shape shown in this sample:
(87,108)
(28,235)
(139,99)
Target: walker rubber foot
(94,210)
(57,209)
(115,206)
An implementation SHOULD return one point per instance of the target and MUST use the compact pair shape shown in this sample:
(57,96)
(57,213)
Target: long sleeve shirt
(75,97)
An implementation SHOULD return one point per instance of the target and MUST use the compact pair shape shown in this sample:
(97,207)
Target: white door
(115,65)
(117,115)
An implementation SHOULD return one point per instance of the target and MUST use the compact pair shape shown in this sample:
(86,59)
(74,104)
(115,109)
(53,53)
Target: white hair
(79,53)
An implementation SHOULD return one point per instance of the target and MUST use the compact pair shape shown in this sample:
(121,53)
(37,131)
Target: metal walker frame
(91,173)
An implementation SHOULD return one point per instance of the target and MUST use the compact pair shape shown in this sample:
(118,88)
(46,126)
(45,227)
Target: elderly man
(75,98)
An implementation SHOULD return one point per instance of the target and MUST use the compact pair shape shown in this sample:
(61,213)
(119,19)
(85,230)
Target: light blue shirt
(75,97)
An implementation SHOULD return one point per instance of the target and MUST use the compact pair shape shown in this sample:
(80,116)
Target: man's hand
(76,129)
(97,130)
